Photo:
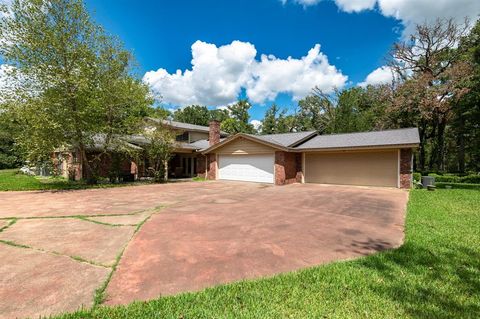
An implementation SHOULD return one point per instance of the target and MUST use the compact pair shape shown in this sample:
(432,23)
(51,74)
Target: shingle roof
(285,139)
(99,143)
(201,144)
(186,126)
(365,139)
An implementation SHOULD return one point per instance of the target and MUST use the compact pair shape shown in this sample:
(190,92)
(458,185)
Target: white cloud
(410,12)
(219,74)
(355,5)
(256,124)
(216,77)
(381,75)
(272,76)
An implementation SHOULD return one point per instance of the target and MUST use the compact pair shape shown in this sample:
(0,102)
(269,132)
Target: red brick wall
(288,168)
(212,166)
(406,168)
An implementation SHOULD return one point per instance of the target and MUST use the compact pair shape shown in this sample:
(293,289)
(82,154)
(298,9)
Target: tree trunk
(421,149)
(441,144)
(91,179)
(461,145)
(165,172)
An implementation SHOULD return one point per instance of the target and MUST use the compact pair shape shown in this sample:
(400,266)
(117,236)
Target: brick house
(186,161)
(381,158)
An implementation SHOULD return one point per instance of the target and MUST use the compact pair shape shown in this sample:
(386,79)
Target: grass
(14,180)
(435,274)
(100,293)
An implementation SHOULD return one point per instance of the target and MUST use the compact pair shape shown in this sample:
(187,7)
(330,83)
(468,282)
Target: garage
(368,168)
(251,168)
(377,158)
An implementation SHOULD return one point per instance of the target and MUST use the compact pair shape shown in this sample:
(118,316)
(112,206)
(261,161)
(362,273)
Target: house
(382,158)
(187,161)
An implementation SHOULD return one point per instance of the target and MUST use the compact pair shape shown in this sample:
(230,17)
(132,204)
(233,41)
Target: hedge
(458,185)
(468,179)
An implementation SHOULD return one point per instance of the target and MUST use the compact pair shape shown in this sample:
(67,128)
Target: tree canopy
(69,79)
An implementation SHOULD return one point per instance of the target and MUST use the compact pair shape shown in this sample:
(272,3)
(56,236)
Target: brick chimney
(214,132)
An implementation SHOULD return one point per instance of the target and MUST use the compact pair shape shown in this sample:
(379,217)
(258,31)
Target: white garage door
(250,168)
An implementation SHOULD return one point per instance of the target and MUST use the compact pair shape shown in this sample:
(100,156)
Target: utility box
(428,181)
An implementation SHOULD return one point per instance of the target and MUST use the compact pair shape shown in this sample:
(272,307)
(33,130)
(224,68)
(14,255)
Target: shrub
(417,177)
(458,185)
(468,179)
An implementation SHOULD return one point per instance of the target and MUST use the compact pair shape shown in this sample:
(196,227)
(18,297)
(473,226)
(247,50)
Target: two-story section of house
(187,160)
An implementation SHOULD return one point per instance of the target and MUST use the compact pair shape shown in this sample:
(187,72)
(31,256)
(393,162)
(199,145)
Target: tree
(274,121)
(161,144)
(10,156)
(238,120)
(466,113)
(72,81)
(431,80)
(317,112)
(193,114)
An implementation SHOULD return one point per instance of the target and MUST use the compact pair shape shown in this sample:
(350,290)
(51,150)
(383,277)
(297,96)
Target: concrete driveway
(59,247)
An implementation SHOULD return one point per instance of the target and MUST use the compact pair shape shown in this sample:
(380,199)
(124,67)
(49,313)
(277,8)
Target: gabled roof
(286,139)
(250,137)
(185,126)
(407,136)
(302,141)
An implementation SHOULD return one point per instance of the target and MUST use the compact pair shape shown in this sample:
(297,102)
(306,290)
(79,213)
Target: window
(182,137)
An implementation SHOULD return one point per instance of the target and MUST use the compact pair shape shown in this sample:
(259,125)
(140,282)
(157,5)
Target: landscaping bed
(435,274)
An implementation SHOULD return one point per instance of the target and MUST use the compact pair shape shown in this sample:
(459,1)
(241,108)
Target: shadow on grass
(429,284)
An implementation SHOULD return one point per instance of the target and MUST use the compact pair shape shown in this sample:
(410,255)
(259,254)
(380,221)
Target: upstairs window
(182,137)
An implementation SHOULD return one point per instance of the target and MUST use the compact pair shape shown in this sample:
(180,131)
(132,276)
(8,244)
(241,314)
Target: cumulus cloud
(297,77)
(219,74)
(216,77)
(410,12)
(381,75)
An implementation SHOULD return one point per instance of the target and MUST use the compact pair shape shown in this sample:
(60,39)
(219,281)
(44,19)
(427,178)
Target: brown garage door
(373,168)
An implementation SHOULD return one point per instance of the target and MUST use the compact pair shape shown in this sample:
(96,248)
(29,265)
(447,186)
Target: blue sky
(354,38)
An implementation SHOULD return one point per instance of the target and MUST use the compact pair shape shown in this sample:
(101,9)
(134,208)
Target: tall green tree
(465,129)
(432,78)
(10,157)
(72,81)
(238,121)
(274,121)
(193,114)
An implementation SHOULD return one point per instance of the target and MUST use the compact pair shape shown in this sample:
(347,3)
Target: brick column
(288,168)
(406,168)
(202,166)
(212,166)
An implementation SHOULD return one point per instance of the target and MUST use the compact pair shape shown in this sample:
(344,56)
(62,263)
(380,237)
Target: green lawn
(13,180)
(435,274)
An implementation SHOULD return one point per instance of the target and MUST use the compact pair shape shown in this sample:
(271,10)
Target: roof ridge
(366,132)
(311,131)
